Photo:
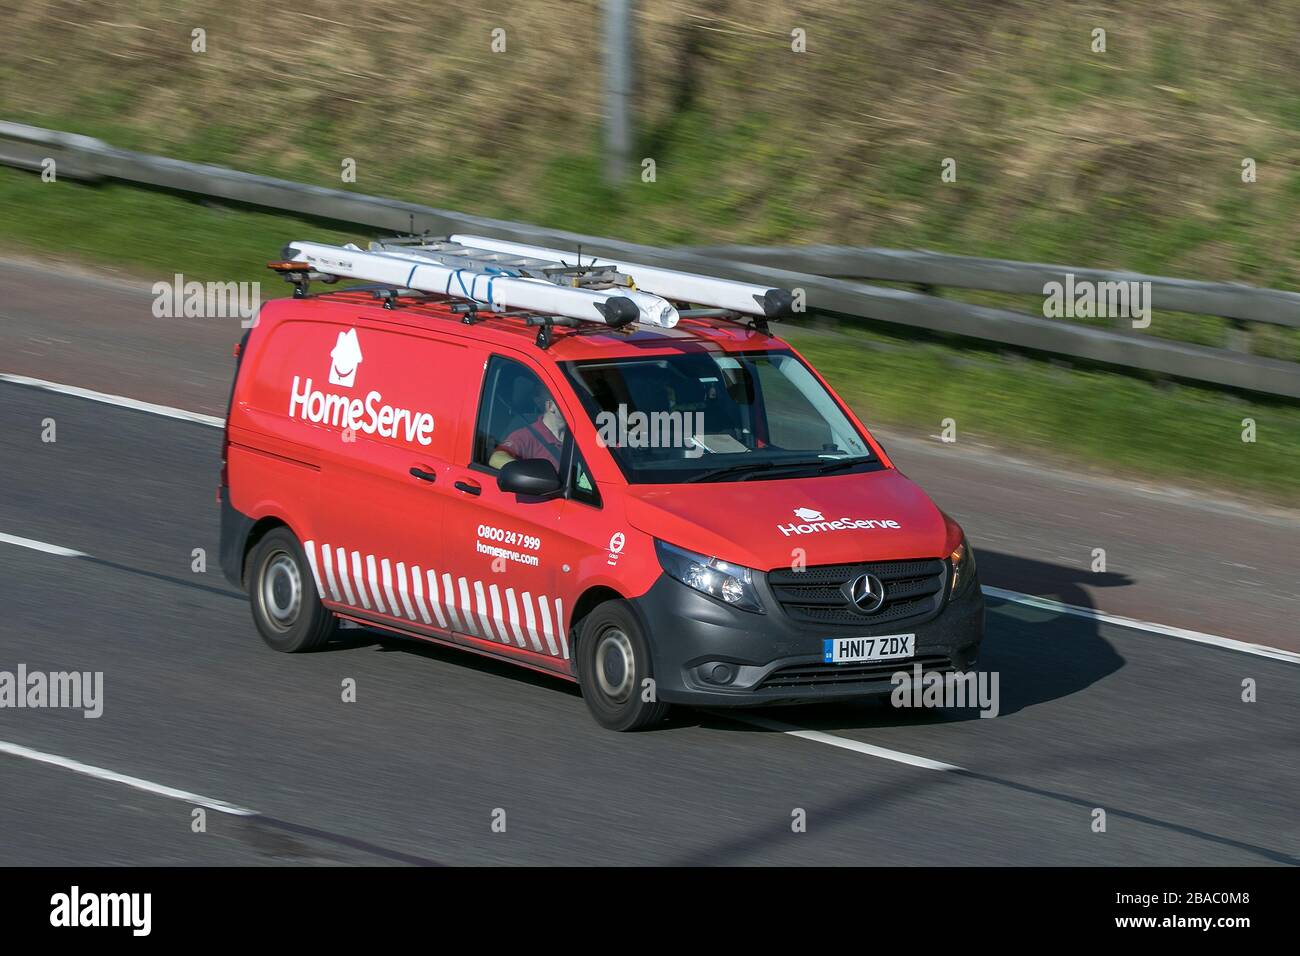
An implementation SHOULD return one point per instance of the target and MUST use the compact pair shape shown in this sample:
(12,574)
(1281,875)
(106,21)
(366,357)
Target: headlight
(963,567)
(729,583)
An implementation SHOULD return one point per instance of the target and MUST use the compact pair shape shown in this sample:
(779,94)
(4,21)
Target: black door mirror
(528,476)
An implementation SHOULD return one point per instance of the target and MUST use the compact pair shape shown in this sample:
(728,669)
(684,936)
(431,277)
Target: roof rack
(533,282)
(743,297)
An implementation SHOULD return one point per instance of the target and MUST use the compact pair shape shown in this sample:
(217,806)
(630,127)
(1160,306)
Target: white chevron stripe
(449,601)
(559,626)
(514,616)
(360,579)
(433,599)
(496,615)
(467,615)
(485,614)
(374,584)
(544,606)
(531,620)
(387,570)
(310,548)
(481,605)
(417,580)
(327,559)
(342,558)
(403,589)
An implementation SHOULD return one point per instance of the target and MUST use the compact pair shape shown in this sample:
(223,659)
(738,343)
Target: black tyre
(282,592)
(613,668)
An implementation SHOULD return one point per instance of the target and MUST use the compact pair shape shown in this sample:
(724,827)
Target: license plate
(852,650)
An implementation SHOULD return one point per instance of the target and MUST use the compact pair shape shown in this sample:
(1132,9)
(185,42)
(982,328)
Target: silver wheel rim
(615,665)
(281,591)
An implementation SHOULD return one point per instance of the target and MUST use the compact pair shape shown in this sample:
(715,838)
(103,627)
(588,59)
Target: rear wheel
(282,590)
(615,671)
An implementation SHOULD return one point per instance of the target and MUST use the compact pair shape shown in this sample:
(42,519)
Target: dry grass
(1106,158)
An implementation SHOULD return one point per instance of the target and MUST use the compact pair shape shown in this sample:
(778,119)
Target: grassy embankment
(1128,159)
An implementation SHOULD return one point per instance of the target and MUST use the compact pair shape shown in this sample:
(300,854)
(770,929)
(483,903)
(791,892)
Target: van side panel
(385,475)
(272,464)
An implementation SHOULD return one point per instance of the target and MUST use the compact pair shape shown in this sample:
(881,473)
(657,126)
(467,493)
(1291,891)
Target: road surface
(439,744)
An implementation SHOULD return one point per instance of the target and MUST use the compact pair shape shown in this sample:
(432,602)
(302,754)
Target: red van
(683,515)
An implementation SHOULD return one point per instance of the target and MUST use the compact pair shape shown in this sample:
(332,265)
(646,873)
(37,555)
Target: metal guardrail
(1228,300)
(810,269)
(1242,303)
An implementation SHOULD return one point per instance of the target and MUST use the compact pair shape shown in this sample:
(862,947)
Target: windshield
(703,416)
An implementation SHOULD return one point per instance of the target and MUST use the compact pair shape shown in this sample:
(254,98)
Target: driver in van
(543,438)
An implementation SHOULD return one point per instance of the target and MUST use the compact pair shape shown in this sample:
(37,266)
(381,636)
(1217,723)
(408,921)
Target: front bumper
(777,661)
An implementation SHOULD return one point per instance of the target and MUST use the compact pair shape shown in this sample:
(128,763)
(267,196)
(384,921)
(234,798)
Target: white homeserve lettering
(369,416)
(492,550)
(841,524)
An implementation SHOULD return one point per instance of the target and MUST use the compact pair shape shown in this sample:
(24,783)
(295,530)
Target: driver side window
(517,417)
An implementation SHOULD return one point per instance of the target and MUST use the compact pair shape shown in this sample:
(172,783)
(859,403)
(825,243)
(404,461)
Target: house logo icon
(344,359)
(807,514)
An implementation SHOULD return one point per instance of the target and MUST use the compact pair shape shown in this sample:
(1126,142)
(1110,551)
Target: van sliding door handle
(424,475)
(468,488)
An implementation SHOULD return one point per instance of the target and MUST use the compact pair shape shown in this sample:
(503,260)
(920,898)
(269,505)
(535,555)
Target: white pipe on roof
(535,295)
(679,286)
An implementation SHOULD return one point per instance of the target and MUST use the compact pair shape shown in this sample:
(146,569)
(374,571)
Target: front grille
(803,676)
(913,589)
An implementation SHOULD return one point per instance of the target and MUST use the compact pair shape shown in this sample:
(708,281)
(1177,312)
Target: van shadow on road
(1039,655)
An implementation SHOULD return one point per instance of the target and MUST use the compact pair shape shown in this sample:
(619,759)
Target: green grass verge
(1096,420)
(148,233)
(1099,420)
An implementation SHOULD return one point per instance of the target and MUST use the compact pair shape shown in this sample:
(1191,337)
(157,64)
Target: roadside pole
(618,89)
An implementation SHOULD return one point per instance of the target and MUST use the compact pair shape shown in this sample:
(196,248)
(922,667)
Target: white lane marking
(165,411)
(360,579)
(310,548)
(111,776)
(1182,634)
(845,743)
(41,546)
(994,456)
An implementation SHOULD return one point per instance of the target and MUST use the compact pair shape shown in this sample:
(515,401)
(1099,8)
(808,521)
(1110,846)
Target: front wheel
(614,670)
(282,590)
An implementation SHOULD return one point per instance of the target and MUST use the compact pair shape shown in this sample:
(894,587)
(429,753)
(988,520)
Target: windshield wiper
(839,463)
(819,466)
(741,468)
